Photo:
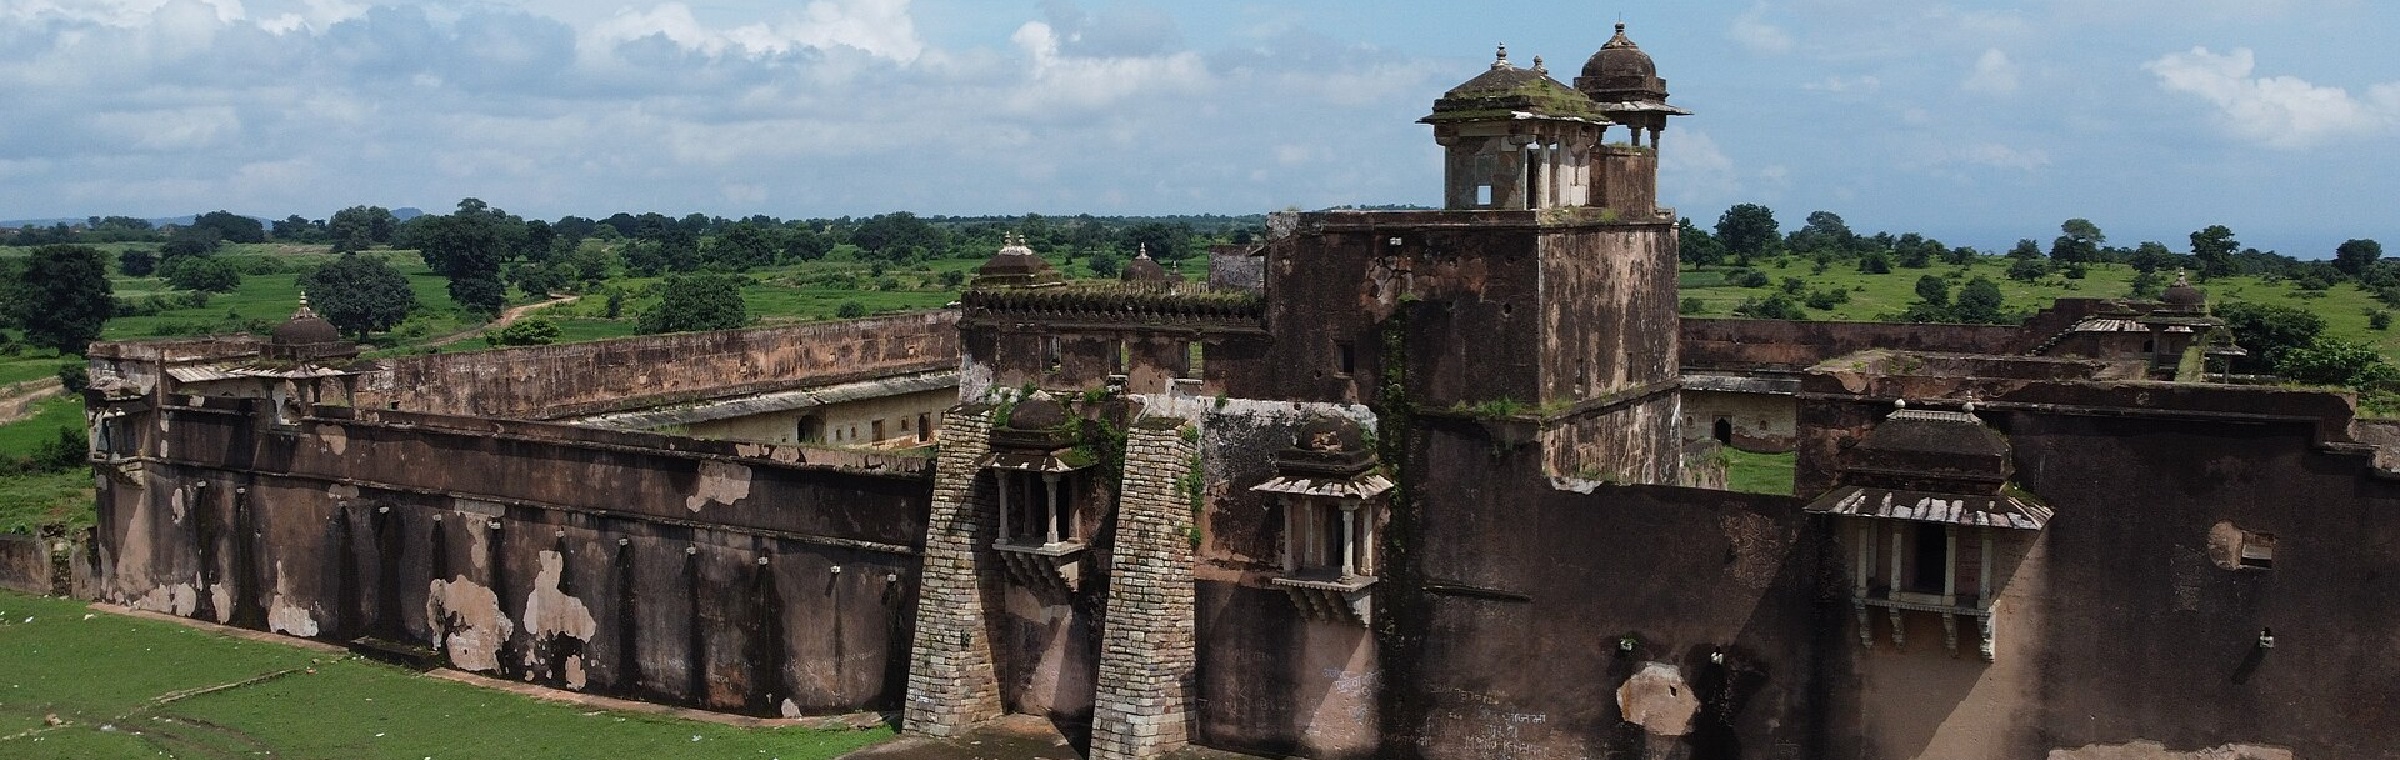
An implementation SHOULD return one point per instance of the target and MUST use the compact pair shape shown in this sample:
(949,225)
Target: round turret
(1621,68)
(1016,265)
(304,328)
(1037,412)
(1144,269)
(2182,295)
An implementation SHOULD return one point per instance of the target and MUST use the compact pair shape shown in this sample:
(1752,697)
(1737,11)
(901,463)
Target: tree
(2027,270)
(1823,231)
(2213,247)
(480,295)
(231,227)
(2269,331)
(804,243)
(889,235)
(1773,306)
(742,246)
(697,302)
(1168,243)
(850,310)
(2329,360)
(137,262)
(298,229)
(1933,291)
(359,227)
(359,294)
(1979,302)
(203,273)
(2357,257)
(1747,230)
(63,297)
(2026,250)
(1696,246)
(189,241)
(2151,256)
(2083,232)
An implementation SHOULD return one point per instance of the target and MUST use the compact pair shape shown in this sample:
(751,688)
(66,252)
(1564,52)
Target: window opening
(1932,555)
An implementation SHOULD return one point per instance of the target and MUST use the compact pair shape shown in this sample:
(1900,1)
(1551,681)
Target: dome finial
(1500,59)
(1538,68)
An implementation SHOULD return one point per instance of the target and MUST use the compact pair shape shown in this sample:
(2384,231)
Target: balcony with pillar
(1333,506)
(1928,516)
(1036,473)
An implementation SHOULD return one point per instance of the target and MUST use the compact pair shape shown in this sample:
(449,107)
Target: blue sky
(1977,123)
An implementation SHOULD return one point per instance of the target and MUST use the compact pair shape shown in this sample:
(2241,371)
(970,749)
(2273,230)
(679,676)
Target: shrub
(1691,305)
(531,331)
(1747,278)
(850,310)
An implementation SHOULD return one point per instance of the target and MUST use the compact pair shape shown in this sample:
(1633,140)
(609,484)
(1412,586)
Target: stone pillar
(1142,704)
(1508,183)
(951,685)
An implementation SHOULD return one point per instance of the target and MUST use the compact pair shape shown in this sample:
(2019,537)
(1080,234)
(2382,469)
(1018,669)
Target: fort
(1407,484)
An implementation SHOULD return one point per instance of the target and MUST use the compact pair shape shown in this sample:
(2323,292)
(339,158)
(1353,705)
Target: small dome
(2183,295)
(304,328)
(1144,269)
(1330,434)
(1038,412)
(1016,264)
(1505,90)
(1621,71)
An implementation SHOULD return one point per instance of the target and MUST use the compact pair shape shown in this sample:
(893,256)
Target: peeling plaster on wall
(221,595)
(550,613)
(467,622)
(2149,750)
(720,482)
(1658,700)
(175,507)
(974,380)
(285,617)
(1196,409)
(1758,548)
(178,599)
(133,560)
(789,710)
(335,437)
(2225,545)
(342,491)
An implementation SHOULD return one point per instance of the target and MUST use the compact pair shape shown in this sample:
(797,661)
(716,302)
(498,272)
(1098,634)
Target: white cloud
(2005,157)
(1695,172)
(1865,84)
(1069,82)
(2282,111)
(1755,33)
(1994,74)
(882,28)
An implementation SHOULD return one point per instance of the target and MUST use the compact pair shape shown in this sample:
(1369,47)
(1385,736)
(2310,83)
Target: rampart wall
(731,576)
(551,382)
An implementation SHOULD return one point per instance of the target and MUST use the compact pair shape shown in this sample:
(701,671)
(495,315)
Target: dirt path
(22,400)
(507,317)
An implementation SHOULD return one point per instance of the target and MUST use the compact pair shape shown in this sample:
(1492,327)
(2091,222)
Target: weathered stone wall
(952,683)
(1635,443)
(25,564)
(1147,657)
(736,577)
(1506,635)
(2118,627)
(1608,299)
(550,382)
(1741,344)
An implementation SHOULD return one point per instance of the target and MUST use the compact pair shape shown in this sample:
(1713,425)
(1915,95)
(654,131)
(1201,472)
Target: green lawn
(103,675)
(1759,473)
(1879,297)
(28,502)
(20,438)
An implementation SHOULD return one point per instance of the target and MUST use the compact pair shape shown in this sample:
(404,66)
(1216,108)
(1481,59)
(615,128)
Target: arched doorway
(1724,431)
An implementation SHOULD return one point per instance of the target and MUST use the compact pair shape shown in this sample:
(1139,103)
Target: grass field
(1876,297)
(109,680)
(1759,473)
(20,439)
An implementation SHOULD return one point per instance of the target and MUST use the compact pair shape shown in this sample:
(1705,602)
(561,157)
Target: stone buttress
(951,683)
(1147,659)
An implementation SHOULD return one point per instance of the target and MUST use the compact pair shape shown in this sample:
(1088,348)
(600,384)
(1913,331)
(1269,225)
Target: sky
(1973,122)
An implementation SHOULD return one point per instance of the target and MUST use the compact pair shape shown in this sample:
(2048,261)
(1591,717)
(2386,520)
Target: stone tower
(1624,85)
